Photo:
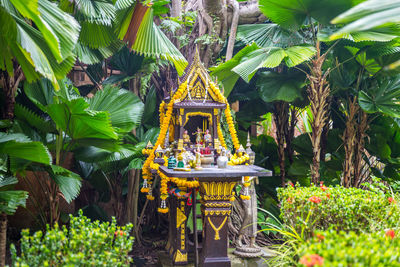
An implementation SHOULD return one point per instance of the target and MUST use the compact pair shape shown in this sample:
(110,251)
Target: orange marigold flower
(312,260)
(324,188)
(390,233)
(391,200)
(315,199)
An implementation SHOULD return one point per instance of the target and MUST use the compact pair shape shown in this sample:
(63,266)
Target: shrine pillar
(216,196)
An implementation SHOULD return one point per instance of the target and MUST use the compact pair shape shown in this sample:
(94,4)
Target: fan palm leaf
(124,107)
(136,27)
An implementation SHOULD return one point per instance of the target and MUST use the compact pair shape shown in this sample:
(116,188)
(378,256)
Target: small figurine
(198,159)
(171,162)
(222,161)
(181,164)
(159,152)
(186,137)
(198,133)
(207,137)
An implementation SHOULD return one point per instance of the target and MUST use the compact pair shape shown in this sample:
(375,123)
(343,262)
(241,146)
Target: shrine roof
(199,89)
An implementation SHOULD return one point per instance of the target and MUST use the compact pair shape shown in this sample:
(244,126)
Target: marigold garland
(220,135)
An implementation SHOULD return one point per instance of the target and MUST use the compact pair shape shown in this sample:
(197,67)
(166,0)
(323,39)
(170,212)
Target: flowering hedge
(84,243)
(330,248)
(343,209)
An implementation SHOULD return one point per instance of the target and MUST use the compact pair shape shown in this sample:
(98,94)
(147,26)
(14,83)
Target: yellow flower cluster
(181,182)
(228,116)
(235,160)
(163,210)
(220,135)
(244,197)
(150,197)
(154,166)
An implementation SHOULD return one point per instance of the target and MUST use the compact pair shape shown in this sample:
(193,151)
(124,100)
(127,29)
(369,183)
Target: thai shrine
(190,156)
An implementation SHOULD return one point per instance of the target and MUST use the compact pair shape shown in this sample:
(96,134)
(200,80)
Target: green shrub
(343,209)
(84,243)
(330,248)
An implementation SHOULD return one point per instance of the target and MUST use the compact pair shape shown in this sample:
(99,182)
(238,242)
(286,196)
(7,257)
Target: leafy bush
(85,243)
(343,209)
(351,249)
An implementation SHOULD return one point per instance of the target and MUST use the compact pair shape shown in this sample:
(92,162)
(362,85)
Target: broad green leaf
(28,116)
(79,122)
(224,71)
(385,98)
(276,86)
(368,63)
(271,57)
(293,13)
(11,200)
(68,182)
(370,15)
(148,39)
(18,145)
(267,35)
(124,107)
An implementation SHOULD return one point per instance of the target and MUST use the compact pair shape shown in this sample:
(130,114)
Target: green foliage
(84,243)
(353,249)
(342,209)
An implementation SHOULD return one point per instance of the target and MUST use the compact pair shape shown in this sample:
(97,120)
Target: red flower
(328,195)
(290,200)
(315,199)
(312,260)
(320,237)
(120,233)
(291,184)
(390,233)
(324,188)
(391,200)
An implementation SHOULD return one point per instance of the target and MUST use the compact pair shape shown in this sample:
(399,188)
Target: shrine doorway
(194,122)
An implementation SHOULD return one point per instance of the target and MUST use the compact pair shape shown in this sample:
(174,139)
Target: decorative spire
(248,144)
(149,145)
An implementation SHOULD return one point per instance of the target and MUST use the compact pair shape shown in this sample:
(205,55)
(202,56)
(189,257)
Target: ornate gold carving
(216,237)
(216,111)
(217,212)
(180,217)
(199,113)
(218,205)
(181,111)
(217,188)
(179,257)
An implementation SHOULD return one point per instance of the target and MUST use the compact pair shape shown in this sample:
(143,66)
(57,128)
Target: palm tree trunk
(281,117)
(349,142)
(3,239)
(361,134)
(318,93)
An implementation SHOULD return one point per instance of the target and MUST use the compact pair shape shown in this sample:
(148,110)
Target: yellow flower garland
(246,183)
(220,135)
(228,116)
(161,112)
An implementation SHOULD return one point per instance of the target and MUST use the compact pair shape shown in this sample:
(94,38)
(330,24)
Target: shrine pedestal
(215,209)
(216,190)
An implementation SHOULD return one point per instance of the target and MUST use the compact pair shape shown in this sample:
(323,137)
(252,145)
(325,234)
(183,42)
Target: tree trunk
(318,93)
(234,25)
(290,133)
(362,127)
(3,239)
(349,138)
(281,117)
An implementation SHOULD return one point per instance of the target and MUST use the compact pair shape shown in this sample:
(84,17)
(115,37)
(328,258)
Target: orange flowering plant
(322,207)
(351,249)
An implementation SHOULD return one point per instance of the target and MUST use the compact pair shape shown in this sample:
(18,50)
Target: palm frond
(368,15)
(19,146)
(28,116)
(124,107)
(267,35)
(91,56)
(144,37)
(68,182)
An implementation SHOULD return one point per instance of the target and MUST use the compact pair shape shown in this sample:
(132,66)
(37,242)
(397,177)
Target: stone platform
(165,260)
